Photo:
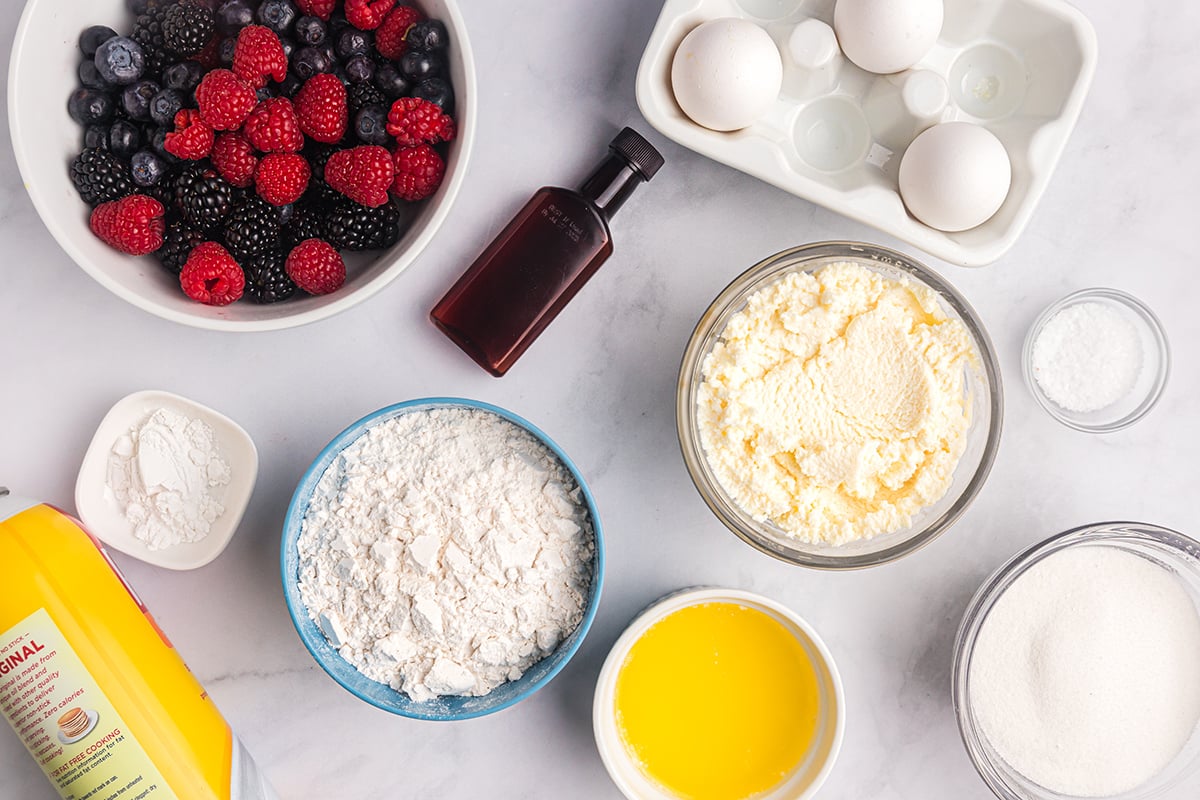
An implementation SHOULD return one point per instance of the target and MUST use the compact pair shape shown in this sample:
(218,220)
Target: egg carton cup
(836,133)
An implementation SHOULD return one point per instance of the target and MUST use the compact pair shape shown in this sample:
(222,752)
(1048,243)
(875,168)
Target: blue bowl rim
(350,434)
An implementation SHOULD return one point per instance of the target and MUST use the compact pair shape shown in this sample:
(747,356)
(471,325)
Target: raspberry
(321,107)
(316,267)
(363,174)
(413,121)
(322,9)
(235,159)
(259,55)
(211,276)
(389,39)
(282,178)
(273,127)
(133,224)
(192,138)
(419,172)
(366,15)
(224,100)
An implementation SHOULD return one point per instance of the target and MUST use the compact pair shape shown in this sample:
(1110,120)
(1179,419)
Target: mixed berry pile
(246,143)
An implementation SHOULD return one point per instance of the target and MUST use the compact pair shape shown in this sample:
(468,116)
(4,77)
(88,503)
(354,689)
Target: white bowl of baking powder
(166,480)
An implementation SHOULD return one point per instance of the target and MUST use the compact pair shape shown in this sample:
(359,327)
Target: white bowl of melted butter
(839,405)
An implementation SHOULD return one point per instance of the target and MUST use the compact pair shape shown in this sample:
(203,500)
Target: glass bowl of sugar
(1075,668)
(1097,360)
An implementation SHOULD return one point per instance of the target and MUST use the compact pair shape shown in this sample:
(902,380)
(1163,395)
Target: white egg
(726,74)
(955,176)
(887,36)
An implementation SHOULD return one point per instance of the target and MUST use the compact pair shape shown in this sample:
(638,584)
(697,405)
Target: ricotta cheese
(834,406)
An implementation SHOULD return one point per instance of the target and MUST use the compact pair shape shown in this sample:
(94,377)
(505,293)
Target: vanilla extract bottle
(544,256)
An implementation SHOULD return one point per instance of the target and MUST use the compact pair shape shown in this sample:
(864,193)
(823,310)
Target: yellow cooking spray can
(91,685)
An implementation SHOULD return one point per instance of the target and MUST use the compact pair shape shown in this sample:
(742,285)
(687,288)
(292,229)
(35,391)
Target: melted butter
(717,701)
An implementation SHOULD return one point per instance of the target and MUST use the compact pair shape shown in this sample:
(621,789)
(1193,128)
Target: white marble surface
(556,81)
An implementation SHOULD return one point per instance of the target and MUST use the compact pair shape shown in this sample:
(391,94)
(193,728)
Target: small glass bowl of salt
(1097,360)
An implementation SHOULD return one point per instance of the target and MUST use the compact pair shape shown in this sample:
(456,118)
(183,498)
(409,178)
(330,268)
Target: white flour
(163,474)
(445,552)
(1087,357)
(1084,673)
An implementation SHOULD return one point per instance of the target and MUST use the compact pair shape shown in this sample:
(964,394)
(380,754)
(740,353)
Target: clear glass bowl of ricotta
(1140,390)
(1175,553)
(982,401)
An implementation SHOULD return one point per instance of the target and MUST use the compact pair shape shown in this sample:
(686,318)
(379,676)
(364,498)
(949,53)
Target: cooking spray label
(66,722)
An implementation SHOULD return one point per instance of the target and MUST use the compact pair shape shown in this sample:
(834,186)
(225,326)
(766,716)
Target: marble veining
(556,82)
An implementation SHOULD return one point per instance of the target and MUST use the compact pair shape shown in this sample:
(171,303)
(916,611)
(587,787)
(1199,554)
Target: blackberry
(252,228)
(361,95)
(148,32)
(187,28)
(307,223)
(203,197)
(100,176)
(267,280)
(350,226)
(178,241)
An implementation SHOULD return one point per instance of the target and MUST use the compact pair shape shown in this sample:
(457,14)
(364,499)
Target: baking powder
(165,476)
(1084,674)
(1087,357)
(445,552)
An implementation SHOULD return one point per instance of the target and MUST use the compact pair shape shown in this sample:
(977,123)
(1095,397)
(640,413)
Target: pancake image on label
(76,723)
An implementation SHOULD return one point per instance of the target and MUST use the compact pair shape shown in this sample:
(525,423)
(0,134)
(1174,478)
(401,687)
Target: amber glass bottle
(541,259)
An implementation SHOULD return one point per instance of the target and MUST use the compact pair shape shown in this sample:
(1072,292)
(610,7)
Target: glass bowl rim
(777,265)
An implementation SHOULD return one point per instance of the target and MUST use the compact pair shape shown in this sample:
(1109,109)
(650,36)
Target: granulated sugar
(1084,675)
(1087,357)
(445,552)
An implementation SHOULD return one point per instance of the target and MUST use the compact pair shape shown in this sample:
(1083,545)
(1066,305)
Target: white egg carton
(836,133)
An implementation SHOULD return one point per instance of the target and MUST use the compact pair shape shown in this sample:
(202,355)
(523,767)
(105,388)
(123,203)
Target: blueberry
(96,136)
(263,94)
(290,85)
(286,213)
(359,69)
(136,97)
(183,76)
(308,61)
(370,125)
(124,138)
(338,22)
(389,81)
(428,35)
(436,90)
(147,168)
(88,106)
(278,15)
(93,37)
(353,42)
(120,60)
(233,15)
(159,143)
(165,105)
(225,51)
(288,46)
(417,65)
(310,30)
(89,76)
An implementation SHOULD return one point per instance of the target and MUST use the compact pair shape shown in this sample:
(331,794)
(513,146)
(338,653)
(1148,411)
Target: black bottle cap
(640,154)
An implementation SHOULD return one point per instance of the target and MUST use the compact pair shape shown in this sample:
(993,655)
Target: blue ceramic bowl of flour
(381,695)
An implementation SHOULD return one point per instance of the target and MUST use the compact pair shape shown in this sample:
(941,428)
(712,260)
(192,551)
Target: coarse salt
(1087,357)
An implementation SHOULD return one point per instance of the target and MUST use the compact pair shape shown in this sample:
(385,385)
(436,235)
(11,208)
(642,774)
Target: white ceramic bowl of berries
(242,165)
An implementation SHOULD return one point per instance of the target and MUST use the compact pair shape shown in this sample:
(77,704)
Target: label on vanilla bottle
(65,720)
